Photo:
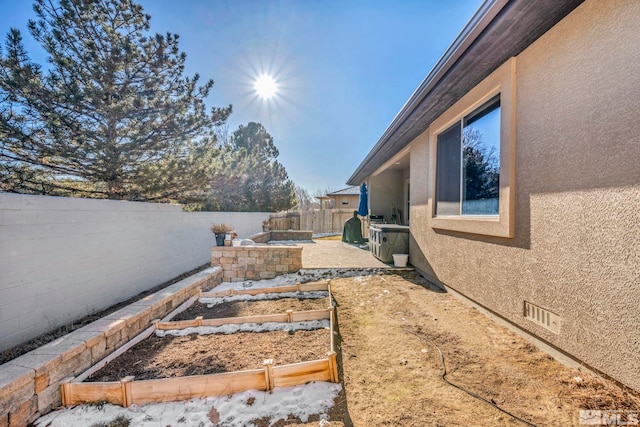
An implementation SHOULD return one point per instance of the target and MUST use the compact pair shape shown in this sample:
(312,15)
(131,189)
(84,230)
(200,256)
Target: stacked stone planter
(241,263)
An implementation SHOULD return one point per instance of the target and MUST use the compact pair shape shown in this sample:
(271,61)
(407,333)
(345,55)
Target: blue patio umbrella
(363,207)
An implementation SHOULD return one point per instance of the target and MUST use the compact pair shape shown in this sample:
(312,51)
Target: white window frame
(502,81)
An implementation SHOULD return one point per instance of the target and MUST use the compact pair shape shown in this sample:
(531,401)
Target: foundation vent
(542,317)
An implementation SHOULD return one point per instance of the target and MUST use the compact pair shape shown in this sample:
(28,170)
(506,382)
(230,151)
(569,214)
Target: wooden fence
(127,392)
(322,221)
(284,221)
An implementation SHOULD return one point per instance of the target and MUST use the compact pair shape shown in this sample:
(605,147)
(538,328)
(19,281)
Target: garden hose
(443,375)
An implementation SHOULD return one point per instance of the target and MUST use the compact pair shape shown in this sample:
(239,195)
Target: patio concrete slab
(336,254)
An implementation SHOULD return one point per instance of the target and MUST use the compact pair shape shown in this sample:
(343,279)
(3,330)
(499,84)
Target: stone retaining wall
(263,237)
(281,235)
(30,384)
(291,235)
(256,262)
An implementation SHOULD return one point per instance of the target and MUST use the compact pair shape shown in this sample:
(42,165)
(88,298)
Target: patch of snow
(302,276)
(247,327)
(236,410)
(240,409)
(360,246)
(211,302)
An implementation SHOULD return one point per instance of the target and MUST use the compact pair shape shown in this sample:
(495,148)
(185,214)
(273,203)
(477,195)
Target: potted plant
(220,230)
(230,236)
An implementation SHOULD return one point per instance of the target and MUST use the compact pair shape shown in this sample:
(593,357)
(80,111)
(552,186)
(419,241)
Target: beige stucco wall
(576,250)
(353,202)
(385,192)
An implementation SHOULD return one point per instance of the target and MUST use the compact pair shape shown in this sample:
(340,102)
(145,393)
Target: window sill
(485,225)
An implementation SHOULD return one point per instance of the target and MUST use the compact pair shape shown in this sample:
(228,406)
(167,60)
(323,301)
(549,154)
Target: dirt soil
(194,354)
(251,308)
(392,328)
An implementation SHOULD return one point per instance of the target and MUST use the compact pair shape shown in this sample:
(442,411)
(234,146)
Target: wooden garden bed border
(127,391)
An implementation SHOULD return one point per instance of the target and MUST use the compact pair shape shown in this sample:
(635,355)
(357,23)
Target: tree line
(114,116)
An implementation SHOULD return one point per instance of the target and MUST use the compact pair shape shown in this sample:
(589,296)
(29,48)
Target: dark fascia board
(499,30)
(353,190)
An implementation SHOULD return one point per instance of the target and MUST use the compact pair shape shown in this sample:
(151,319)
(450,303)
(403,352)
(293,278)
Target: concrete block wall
(256,262)
(282,235)
(64,258)
(263,237)
(30,384)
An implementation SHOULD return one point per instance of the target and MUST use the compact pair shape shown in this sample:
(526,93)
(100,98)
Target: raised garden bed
(154,368)
(179,356)
(251,308)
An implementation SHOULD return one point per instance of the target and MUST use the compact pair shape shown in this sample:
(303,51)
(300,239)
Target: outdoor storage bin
(388,239)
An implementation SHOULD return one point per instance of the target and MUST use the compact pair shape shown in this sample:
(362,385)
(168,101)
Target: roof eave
(467,52)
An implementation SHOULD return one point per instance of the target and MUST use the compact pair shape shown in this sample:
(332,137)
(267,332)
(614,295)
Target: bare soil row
(177,356)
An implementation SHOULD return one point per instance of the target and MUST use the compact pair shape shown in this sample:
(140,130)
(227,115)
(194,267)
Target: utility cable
(443,375)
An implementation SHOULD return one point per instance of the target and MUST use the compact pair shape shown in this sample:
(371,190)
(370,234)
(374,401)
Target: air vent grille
(542,317)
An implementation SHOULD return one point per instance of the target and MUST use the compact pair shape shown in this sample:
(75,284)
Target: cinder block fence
(62,258)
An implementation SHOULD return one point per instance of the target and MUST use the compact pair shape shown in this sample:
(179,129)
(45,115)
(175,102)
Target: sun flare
(266,86)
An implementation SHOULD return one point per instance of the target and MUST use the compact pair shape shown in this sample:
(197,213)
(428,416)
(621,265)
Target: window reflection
(481,161)
(468,164)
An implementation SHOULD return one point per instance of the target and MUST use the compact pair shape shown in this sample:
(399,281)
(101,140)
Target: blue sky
(343,68)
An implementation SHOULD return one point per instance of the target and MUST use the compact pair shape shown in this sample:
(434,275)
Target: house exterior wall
(386,191)
(576,246)
(352,202)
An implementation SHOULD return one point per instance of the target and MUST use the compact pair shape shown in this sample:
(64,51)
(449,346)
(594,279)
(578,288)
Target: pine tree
(250,178)
(112,116)
(481,166)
